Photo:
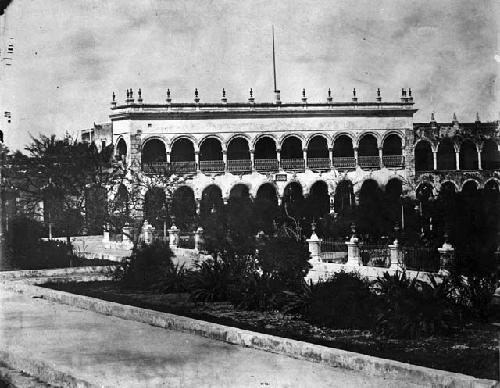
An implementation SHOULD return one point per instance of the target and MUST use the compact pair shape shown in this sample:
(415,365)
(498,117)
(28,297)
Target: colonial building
(277,149)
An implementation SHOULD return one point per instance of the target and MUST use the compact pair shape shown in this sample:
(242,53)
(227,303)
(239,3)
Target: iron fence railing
(421,259)
(375,255)
(183,167)
(292,164)
(369,161)
(318,163)
(239,165)
(186,241)
(333,251)
(393,160)
(266,164)
(344,162)
(155,167)
(212,165)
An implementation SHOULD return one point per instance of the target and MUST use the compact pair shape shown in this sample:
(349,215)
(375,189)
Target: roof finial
(477,118)
(223,99)
(329,98)
(433,120)
(114,97)
(304,98)
(139,99)
(251,99)
(454,118)
(223,92)
(379,97)
(354,98)
(169,100)
(196,99)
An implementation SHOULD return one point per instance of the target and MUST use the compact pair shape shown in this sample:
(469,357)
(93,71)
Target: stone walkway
(107,351)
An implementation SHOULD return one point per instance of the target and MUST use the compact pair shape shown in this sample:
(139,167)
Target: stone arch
(319,134)
(493,183)
(343,146)
(211,202)
(372,218)
(155,207)
(212,136)
(266,206)
(446,155)
(318,199)
(184,208)
(121,149)
(317,147)
(468,155)
(238,148)
(399,134)
(293,200)
(292,144)
(468,183)
(153,150)
(265,147)
(210,148)
(344,198)
(368,144)
(262,136)
(490,155)
(424,158)
(182,149)
(392,144)
(239,190)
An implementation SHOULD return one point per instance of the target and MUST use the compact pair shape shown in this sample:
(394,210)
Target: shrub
(413,308)
(342,301)
(148,267)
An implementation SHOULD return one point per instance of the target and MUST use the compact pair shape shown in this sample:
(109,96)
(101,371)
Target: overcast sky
(69,56)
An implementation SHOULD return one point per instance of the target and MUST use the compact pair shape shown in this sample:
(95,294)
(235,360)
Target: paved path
(109,351)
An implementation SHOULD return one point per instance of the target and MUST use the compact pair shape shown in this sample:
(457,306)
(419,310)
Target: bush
(149,267)
(413,308)
(342,301)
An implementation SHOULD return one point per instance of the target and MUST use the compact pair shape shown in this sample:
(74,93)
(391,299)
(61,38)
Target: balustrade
(212,165)
(344,162)
(393,160)
(318,163)
(183,167)
(155,167)
(369,161)
(292,164)
(239,165)
(266,164)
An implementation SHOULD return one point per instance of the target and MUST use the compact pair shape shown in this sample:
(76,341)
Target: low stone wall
(296,349)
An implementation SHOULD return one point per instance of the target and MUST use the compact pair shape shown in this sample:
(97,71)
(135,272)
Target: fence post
(395,255)
(446,255)
(173,236)
(126,240)
(198,239)
(314,245)
(105,237)
(353,254)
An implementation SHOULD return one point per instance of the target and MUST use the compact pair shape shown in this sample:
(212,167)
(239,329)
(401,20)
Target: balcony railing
(393,160)
(292,164)
(318,163)
(239,165)
(369,161)
(212,165)
(183,167)
(266,164)
(155,167)
(344,162)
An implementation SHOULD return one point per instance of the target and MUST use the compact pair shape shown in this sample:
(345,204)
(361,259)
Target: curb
(296,349)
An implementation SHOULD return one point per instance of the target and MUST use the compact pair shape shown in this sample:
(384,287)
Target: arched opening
(121,150)
(211,156)
(121,210)
(182,156)
(291,154)
(266,207)
(96,199)
(446,155)
(318,201)
(293,200)
(344,200)
(393,192)
(211,204)
(392,151)
(184,208)
(155,208)
(373,220)
(265,155)
(318,157)
(445,210)
(153,156)
(343,152)
(490,156)
(491,212)
(468,156)
(424,160)
(368,152)
(238,156)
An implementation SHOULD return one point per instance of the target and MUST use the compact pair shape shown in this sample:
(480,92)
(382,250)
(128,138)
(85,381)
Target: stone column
(330,156)
(168,156)
(304,156)
(314,247)
(224,159)
(457,160)
(395,255)
(197,160)
(356,157)
(353,253)
(278,156)
(446,255)
(105,237)
(252,159)
(435,160)
(173,236)
(380,156)
(479,164)
(198,239)
(198,206)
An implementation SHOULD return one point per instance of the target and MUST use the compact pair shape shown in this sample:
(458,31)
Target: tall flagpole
(274,66)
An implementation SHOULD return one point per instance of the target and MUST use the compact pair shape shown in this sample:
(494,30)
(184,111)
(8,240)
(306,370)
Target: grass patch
(472,350)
